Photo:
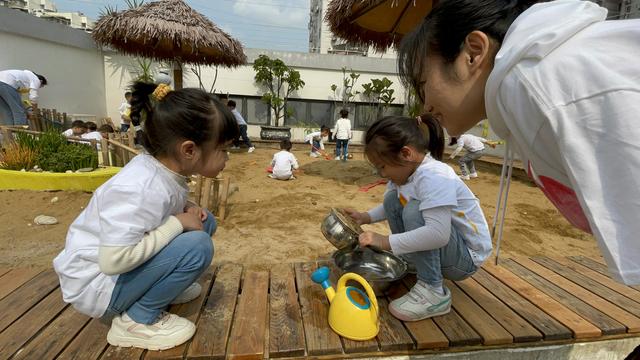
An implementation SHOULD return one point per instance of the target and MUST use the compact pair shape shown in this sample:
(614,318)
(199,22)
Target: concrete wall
(67,57)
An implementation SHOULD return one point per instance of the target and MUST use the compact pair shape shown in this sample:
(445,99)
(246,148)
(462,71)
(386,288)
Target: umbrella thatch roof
(168,30)
(380,23)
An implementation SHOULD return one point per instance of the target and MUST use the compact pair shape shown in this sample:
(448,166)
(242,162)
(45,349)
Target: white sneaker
(314,154)
(251,149)
(421,303)
(168,331)
(337,158)
(190,293)
(473,175)
(464,177)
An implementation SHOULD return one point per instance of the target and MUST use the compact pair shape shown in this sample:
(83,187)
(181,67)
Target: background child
(475,149)
(78,127)
(125,111)
(436,222)
(101,133)
(315,139)
(91,126)
(343,135)
(561,86)
(243,127)
(284,162)
(139,245)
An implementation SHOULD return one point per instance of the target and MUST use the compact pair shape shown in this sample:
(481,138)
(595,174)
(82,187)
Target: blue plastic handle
(321,276)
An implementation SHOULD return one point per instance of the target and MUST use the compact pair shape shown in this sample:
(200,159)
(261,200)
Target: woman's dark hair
(444,29)
(185,114)
(344,113)
(386,137)
(285,144)
(453,140)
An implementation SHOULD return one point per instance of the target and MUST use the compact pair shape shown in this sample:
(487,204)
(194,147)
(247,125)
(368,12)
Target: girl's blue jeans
(342,145)
(452,261)
(147,290)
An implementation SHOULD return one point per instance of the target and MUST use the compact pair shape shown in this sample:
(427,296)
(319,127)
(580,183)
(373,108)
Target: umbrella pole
(177,75)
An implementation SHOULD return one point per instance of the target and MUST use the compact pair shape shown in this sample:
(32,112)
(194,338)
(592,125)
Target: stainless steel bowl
(380,269)
(338,231)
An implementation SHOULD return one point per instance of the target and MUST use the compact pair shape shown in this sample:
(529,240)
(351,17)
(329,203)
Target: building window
(258,113)
(296,113)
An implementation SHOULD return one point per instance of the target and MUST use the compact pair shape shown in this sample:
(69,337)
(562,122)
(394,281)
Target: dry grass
(16,157)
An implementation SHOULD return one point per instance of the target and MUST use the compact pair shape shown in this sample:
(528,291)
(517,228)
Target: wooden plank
(190,311)
(591,285)
(286,334)
(320,339)
(580,327)
(606,324)
(224,194)
(602,279)
(29,294)
(425,332)
(15,278)
(55,336)
(88,344)
(3,271)
(206,194)
(596,266)
(104,148)
(119,353)
(14,337)
(548,326)
(489,329)
(393,336)
(519,328)
(631,322)
(247,338)
(198,190)
(210,340)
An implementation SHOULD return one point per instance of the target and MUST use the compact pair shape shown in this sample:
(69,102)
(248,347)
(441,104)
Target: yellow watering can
(352,313)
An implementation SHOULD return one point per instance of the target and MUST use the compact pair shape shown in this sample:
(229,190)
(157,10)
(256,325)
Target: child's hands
(360,217)
(371,238)
(202,213)
(190,220)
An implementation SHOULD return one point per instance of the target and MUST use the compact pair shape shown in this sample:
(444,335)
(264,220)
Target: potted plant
(279,82)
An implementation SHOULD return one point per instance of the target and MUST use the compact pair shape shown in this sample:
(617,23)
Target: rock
(23,170)
(314,203)
(69,172)
(54,200)
(45,220)
(29,224)
(257,200)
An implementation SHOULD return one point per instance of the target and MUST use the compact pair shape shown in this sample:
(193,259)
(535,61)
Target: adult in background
(243,127)
(12,84)
(475,149)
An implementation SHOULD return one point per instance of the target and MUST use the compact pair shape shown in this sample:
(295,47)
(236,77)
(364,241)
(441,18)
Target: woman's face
(454,92)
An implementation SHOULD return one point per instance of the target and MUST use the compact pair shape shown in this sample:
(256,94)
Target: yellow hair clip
(161,91)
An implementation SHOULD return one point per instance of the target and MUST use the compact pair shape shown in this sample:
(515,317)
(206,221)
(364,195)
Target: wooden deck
(255,314)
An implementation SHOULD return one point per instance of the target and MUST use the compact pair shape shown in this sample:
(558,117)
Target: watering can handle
(355,277)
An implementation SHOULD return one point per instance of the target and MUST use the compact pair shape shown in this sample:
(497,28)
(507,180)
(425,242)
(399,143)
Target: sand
(270,221)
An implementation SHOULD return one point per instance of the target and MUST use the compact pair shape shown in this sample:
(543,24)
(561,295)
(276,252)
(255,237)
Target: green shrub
(69,157)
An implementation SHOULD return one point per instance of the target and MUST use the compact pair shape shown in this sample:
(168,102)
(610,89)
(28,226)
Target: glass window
(258,112)
(366,114)
(296,113)
(393,110)
(320,113)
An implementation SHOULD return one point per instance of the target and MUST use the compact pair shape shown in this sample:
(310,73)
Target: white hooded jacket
(565,94)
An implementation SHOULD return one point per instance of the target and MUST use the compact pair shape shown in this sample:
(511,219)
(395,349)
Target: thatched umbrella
(168,30)
(380,23)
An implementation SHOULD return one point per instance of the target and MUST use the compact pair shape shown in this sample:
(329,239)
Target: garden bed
(27,180)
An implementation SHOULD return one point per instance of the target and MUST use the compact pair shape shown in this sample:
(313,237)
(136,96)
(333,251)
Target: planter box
(275,133)
(24,180)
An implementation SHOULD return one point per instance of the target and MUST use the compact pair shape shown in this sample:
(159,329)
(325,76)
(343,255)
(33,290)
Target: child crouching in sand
(139,246)
(284,163)
(436,222)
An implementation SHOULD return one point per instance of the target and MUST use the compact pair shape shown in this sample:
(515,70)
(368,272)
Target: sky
(263,24)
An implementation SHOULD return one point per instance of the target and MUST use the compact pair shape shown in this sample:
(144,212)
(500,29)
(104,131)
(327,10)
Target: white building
(323,41)
(46,9)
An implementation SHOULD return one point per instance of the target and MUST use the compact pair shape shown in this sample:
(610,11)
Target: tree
(346,92)
(380,96)
(279,80)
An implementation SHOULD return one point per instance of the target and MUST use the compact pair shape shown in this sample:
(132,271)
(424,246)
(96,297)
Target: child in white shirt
(474,145)
(101,133)
(315,139)
(436,222)
(139,245)
(284,162)
(78,127)
(343,135)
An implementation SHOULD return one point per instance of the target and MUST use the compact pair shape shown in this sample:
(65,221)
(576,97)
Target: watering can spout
(321,276)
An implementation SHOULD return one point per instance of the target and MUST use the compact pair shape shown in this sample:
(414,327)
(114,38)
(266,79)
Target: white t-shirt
(565,94)
(22,80)
(317,136)
(283,162)
(94,135)
(135,201)
(343,129)
(68,132)
(471,143)
(436,184)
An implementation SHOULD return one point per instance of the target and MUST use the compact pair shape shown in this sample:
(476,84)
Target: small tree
(348,83)
(380,96)
(279,80)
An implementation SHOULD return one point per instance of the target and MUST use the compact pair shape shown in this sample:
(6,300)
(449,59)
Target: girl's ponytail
(142,111)
(432,130)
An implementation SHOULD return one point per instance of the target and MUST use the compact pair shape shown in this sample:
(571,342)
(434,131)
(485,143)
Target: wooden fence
(120,148)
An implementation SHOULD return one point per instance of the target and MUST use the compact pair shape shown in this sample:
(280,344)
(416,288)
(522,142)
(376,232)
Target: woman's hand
(360,217)
(190,220)
(371,238)
(202,213)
